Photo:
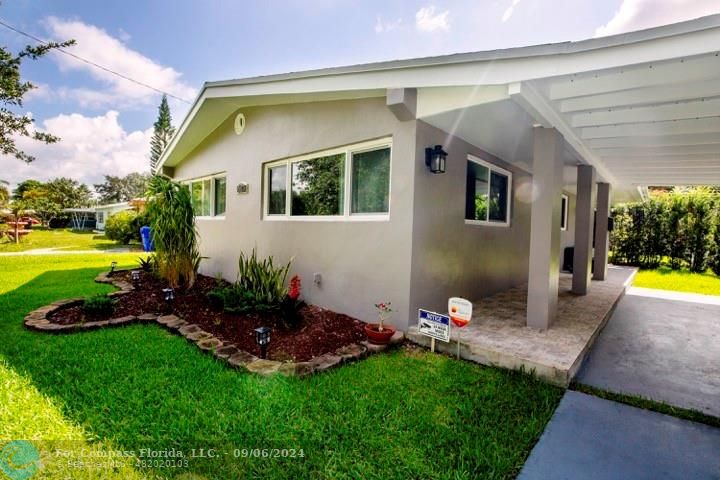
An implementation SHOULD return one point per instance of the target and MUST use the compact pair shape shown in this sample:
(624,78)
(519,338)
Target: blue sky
(177,45)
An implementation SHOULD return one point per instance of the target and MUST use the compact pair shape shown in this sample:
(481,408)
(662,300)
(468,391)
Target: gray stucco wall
(450,258)
(362,263)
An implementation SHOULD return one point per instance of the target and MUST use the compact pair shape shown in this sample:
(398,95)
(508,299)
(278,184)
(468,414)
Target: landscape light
(168,295)
(135,275)
(262,337)
(112,267)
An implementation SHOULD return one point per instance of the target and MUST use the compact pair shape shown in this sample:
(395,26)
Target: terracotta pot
(378,337)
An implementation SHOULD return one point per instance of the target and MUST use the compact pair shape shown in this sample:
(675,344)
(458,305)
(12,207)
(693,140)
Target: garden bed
(321,339)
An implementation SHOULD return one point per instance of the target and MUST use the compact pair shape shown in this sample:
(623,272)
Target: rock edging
(229,353)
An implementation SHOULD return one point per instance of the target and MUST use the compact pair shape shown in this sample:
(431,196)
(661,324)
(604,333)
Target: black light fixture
(262,337)
(135,275)
(435,159)
(112,267)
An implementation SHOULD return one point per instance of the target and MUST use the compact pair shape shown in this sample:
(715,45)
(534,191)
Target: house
(462,175)
(103,212)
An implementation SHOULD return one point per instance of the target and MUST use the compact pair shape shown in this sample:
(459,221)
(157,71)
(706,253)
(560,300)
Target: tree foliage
(122,189)
(162,133)
(47,200)
(12,90)
(681,225)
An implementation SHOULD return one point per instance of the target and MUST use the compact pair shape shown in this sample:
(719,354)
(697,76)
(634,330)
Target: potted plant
(380,333)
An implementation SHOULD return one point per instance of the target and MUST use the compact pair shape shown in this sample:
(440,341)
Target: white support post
(584,222)
(601,231)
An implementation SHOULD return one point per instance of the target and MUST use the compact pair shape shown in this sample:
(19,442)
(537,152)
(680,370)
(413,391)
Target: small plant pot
(376,336)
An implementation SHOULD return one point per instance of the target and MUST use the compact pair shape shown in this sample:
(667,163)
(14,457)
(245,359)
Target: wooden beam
(677,127)
(650,75)
(655,113)
(643,96)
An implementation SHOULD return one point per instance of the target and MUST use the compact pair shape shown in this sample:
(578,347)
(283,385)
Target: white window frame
(565,211)
(491,168)
(212,179)
(347,215)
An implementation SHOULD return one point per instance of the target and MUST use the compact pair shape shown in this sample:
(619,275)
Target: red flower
(295,285)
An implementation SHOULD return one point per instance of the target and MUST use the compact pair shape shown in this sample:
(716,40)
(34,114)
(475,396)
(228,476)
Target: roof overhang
(642,107)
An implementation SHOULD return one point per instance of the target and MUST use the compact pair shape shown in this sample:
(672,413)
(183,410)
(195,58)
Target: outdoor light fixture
(435,159)
(262,337)
(112,267)
(135,275)
(168,295)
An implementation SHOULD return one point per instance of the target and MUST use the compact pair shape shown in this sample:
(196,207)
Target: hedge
(682,225)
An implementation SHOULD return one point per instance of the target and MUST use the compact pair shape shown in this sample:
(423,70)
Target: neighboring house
(103,212)
(328,167)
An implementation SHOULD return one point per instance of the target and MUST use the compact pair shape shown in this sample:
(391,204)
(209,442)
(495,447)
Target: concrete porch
(498,334)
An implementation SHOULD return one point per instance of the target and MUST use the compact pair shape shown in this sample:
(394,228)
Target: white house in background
(330,166)
(103,212)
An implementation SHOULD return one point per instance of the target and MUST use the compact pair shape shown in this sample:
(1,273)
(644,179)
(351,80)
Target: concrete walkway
(660,345)
(592,438)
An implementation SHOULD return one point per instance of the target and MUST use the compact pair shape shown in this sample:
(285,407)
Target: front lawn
(408,414)
(61,238)
(665,278)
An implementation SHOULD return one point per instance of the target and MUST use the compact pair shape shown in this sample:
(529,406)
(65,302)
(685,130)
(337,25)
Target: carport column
(584,222)
(601,231)
(544,271)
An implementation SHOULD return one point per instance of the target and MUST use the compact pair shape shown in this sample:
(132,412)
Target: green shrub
(121,227)
(172,220)
(146,263)
(714,259)
(263,278)
(235,299)
(98,306)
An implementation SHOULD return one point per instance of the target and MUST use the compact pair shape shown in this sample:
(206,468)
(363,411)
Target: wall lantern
(435,159)
(262,337)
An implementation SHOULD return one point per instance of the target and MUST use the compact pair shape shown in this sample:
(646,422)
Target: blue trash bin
(147,242)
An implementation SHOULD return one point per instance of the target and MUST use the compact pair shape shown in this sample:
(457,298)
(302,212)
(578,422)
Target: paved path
(592,438)
(660,345)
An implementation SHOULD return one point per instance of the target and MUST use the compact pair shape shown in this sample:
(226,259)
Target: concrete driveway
(592,438)
(660,345)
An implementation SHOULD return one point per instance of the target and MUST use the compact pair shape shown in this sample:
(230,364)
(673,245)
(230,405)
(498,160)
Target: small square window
(220,194)
(487,194)
(371,181)
(318,186)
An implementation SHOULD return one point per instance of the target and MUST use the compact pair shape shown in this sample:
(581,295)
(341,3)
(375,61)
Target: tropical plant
(121,227)
(98,306)
(162,133)
(146,263)
(17,208)
(177,256)
(263,278)
(384,310)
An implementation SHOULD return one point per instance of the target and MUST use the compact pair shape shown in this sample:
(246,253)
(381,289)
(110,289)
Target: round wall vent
(239,123)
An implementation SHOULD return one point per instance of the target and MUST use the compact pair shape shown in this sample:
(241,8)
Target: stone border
(205,341)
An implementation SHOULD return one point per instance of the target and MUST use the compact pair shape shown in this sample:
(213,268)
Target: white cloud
(641,14)
(96,45)
(427,21)
(382,26)
(509,11)
(90,147)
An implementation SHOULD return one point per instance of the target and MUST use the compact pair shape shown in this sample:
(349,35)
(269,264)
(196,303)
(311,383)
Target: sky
(105,122)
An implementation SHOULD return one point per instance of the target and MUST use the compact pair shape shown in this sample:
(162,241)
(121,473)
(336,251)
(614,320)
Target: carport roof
(642,107)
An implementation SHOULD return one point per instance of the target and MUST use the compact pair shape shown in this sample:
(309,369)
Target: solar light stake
(135,275)
(112,267)
(169,296)
(262,337)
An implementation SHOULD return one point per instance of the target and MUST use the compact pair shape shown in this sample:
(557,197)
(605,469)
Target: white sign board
(434,325)
(460,311)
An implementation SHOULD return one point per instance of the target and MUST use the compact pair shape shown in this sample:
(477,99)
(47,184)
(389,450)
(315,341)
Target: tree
(12,90)
(162,133)
(4,193)
(68,193)
(17,208)
(122,189)
(25,186)
(44,208)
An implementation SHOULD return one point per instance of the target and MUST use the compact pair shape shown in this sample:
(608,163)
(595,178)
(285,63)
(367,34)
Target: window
(345,183)
(487,194)
(100,217)
(565,203)
(208,196)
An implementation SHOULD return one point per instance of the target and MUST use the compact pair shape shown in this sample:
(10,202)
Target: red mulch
(320,331)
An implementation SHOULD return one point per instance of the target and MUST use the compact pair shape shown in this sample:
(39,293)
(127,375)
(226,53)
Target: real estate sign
(434,325)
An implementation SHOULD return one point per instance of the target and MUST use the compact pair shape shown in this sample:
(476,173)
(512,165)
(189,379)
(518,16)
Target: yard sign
(434,325)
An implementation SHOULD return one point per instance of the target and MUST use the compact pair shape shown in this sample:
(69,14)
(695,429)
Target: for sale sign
(434,325)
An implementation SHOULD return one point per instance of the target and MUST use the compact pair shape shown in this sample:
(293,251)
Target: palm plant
(177,256)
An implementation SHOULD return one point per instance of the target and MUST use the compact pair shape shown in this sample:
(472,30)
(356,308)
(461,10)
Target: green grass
(664,278)
(64,239)
(648,404)
(408,414)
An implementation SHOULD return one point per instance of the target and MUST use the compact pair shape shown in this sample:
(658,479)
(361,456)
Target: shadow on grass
(391,416)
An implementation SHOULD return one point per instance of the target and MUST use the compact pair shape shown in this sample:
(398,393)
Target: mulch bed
(320,331)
